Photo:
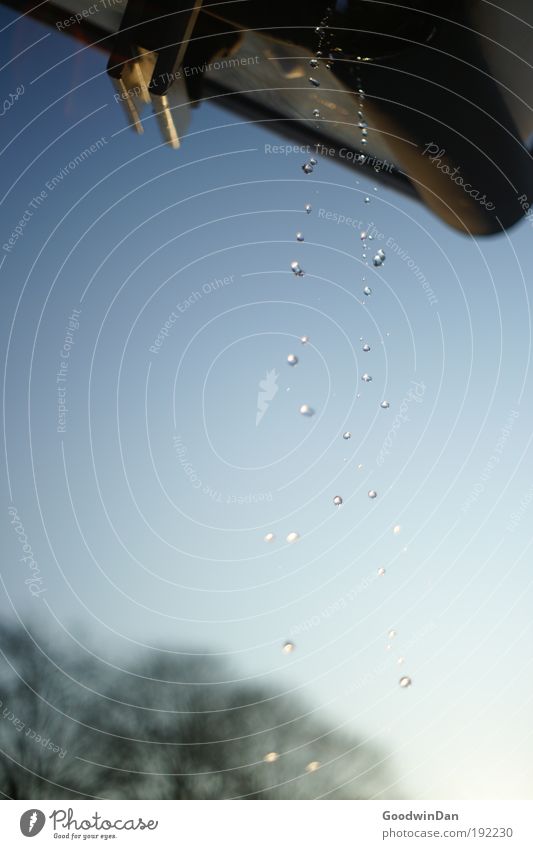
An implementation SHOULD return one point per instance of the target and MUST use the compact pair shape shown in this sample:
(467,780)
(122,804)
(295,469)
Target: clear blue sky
(147,514)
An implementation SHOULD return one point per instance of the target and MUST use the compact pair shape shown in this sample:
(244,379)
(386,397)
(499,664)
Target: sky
(153,289)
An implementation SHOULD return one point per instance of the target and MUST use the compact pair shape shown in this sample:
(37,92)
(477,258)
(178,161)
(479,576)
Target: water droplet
(270,537)
(366,378)
(366,347)
(363,235)
(392,633)
(385,405)
(292,360)
(405,681)
(312,161)
(293,536)
(316,113)
(360,114)
(297,269)
(372,493)
(381,253)
(307,168)
(367,290)
(271,757)
(364,141)
(306,410)
(401,660)
(381,571)
(313,63)
(364,133)
(347,435)
(314,82)
(360,466)
(319,30)
(312,766)
(308,208)
(377,261)
(288,647)
(396,529)
(304,340)
(337,501)
(367,199)
(299,237)
(362,124)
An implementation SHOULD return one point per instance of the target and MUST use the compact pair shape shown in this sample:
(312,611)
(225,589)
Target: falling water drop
(367,290)
(313,63)
(307,168)
(367,199)
(316,113)
(312,766)
(337,501)
(392,633)
(297,269)
(288,647)
(308,208)
(270,537)
(366,378)
(299,237)
(366,347)
(306,410)
(381,571)
(377,261)
(405,682)
(347,435)
(385,405)
(314,82)
(304,340)
(271,757)
(294,536)
(396,529)
(372,493)
(292,360)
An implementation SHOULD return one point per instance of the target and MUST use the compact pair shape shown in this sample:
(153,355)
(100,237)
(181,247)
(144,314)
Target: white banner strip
(263,825)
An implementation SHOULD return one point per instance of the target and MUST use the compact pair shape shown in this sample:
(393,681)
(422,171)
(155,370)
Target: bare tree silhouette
(72,726)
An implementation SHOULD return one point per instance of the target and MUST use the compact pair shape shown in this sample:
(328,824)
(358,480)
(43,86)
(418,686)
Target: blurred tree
(168,727)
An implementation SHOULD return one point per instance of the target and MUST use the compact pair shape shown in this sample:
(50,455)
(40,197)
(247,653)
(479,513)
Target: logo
(32,822)
(268,388)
